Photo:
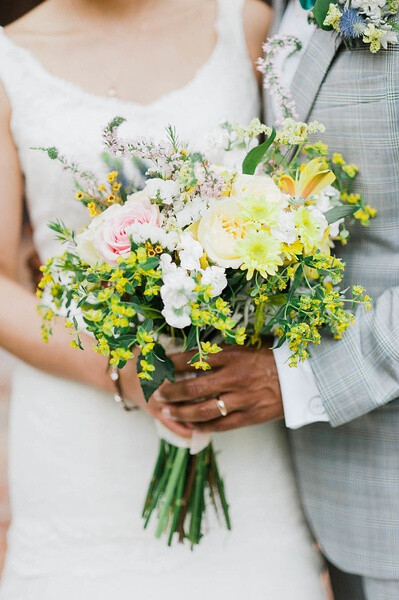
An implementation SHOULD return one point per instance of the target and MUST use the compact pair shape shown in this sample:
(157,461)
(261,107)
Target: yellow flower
(350,170)
(240,336)
(79,195)
(92,208)
(312,179)
(333,17)
(112,176)
(338,159)
(258,209)
(146,367)
(291,251)
(209,348)
(311,226)
(201,364)
(373,36)
(120,354)
(261,252)
(102,187)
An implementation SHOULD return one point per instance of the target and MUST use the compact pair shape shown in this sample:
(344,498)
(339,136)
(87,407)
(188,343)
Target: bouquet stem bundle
(178,491)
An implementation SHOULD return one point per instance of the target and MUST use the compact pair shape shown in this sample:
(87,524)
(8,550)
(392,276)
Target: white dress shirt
(301,398)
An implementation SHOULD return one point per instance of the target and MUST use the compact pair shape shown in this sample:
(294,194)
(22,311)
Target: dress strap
(14,69)
(230,20)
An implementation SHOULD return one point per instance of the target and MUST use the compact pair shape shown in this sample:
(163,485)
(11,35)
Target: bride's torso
(79,465)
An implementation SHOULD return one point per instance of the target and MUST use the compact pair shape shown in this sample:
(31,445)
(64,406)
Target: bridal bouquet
(205,254)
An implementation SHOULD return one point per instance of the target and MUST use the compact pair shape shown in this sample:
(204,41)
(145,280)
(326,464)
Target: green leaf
(191,340)
(320,11)
(340,212)
(280,342)
(255,155)
(164,369)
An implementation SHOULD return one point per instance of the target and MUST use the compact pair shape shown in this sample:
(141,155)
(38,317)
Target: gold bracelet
(119,396)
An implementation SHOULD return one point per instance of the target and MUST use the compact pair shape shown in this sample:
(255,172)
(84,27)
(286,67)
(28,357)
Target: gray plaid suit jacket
(348,471)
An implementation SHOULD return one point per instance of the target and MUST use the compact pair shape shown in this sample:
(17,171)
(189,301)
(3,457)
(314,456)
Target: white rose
(219,230)
(258,185)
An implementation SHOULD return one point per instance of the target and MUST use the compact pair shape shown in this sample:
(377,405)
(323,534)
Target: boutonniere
(371,21)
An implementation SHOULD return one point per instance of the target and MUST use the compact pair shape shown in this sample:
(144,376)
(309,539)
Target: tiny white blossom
(216,278)
(285,230)
(327,198)
(177,317)
(142,232)
(319,218)
(166,264)
(389,37)
(166,190)
(190,253)
(191,212)
(178,289)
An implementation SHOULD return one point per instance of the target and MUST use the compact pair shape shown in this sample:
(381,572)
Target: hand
(244,378)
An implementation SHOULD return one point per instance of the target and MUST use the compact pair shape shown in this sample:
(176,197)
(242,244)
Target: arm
(19,321)
(361,372)
(258,15)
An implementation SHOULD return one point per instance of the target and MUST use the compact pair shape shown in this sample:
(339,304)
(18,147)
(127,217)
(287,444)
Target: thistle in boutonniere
(368,20)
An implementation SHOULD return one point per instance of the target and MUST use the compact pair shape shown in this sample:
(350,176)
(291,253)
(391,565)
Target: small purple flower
(352,24)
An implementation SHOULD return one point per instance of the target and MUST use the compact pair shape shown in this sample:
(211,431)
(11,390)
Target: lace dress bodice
(49,111)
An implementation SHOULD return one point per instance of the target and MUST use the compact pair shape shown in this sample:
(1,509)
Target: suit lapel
(312,69)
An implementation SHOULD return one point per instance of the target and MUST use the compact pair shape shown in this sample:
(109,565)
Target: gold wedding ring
(222,407)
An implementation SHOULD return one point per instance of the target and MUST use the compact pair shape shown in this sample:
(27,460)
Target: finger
(196,388)
(201,412)
(232,421)
(181,359)
(176,427)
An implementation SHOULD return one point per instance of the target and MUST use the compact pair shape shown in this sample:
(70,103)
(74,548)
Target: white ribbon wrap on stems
(198,440)
(195,444)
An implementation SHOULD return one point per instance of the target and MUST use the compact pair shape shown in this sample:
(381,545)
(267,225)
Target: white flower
(389,37)
(319,218)
(142,232)
(285,230)
(190,253)
(176,293)
(327,198)
(177,317)
(257,185)
(178,289)
(334,228)
(191,212)
(166,190)
(216,278)
(166,264)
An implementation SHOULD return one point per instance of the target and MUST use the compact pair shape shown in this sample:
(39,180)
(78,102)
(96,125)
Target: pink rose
(112,234)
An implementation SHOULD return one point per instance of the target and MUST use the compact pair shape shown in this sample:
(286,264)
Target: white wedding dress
(79,465)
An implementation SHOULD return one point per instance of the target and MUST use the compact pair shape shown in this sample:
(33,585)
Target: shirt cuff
(301,398)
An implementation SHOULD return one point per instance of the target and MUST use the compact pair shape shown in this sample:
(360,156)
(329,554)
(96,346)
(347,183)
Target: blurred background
(9,11)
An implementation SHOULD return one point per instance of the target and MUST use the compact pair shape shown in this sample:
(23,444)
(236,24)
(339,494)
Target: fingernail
(167,414)
(158,396)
